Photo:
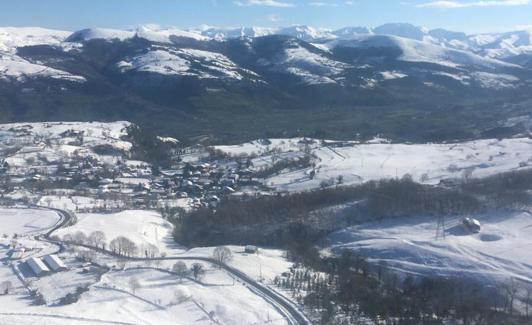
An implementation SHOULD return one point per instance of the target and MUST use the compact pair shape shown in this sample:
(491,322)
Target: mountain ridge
(267,85)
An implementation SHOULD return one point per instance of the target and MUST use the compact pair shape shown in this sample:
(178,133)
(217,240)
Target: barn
(37,266)
(54,263)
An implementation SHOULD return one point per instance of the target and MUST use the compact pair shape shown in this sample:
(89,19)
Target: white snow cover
(13,37)
(311,67)
(500,251)
(27,141)
(183,62)
(495,81)
(103,33)
(220,33)
(429,163)
(140,226)
(417,51)
(149,32)
(15,67)
(390,75)
(26,221)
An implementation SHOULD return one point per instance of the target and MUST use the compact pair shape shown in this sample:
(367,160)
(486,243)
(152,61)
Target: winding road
(283,305)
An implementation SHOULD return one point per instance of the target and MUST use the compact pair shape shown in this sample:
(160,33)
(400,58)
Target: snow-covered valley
(115,229)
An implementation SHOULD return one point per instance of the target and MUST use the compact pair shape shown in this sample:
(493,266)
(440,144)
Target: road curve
(292,314)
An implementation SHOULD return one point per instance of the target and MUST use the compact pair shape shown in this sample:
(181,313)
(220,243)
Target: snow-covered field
(158,297)
(141,226)
(500,251)
(26,221)
(427,163)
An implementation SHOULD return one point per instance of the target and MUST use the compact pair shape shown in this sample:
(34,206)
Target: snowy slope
(185,62)
(312,67)
(13,37)
(500,251)
(221,34)
(100,33)
(13,67)
(417,51)
(142,227)
(429,163)
(148,32)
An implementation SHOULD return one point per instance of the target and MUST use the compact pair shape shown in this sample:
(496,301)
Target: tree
(197,271)
(79,237)
(181,295)
(6,287)
(180,269)
(134,284)
(97,238)
(150,251)
(222,254)
(123,246)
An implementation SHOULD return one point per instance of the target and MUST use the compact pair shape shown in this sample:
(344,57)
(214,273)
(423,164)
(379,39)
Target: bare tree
(123,246)
(150,251)
(134,284)
(180,269)
(79,237)
(197,271)
(6,287)
(68,238)
(222,254)
(97,238)
(511,291)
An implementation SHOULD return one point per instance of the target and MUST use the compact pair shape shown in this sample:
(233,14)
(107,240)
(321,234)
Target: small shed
(54,263)
(471,224)
(18,253)
(37,266)
(250,249)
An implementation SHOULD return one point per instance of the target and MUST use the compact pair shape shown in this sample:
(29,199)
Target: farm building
(37,266)
(54,263)
(471,224)
(18,253)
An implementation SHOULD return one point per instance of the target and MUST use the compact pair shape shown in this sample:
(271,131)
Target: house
(54,263)
(18,253)
(250,249)
(37,266)
(471,224)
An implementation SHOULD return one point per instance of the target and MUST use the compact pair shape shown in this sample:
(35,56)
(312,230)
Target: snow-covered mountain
(311,55)
(190,74)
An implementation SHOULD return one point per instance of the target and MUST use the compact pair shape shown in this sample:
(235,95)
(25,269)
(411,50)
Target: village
(95,176)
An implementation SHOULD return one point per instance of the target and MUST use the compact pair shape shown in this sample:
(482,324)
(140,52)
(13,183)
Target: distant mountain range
(301,80)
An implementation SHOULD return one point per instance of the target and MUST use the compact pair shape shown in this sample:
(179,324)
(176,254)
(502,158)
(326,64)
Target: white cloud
(468,4)
(274,18)
(267,3)
(322,4)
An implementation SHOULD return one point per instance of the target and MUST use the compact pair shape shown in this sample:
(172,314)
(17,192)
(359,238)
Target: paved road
(284,306)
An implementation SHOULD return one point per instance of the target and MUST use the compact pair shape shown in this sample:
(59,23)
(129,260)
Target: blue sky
(464,15)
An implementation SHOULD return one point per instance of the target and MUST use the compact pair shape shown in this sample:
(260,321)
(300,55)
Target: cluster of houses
(45,265)
(202,182)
